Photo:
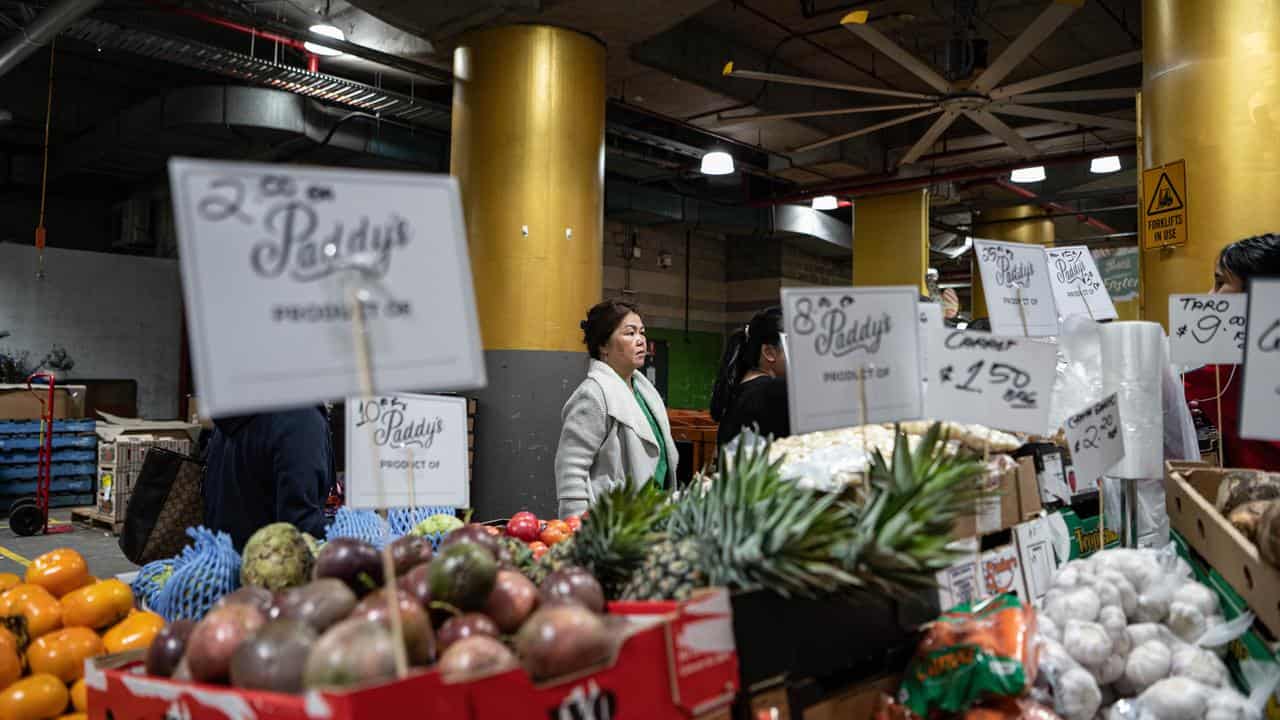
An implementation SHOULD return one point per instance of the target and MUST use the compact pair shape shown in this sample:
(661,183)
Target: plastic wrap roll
(1133,368)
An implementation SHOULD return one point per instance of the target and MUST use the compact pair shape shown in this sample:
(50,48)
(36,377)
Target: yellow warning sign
(1164,206)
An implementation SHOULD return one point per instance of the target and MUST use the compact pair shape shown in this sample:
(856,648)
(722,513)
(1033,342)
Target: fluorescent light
(717,162)
(1107,164)
(825,202)
(326,30)
(1028,174)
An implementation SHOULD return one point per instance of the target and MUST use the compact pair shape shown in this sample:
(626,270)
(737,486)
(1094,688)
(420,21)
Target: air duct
(40,31)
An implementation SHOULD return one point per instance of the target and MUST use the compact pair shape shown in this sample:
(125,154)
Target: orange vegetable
(8,581)
(10,660)
(37,697)
(73,716)
(41,610)
(97,606)
(80,696)
(59,571)
(134,632)
(62,653)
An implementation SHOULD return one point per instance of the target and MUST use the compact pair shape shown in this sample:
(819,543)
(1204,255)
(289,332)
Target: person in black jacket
(751,389)
(271,467)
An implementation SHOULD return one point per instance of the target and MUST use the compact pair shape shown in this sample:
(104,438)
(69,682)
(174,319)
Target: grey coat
(606,439)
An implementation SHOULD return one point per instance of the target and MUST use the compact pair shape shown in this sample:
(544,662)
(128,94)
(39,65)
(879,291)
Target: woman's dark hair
(602,320)
(1259,255)
(741,353)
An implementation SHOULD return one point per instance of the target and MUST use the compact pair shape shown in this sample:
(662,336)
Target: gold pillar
(1211,96)
(1021,224)
(891,239)
(528,152)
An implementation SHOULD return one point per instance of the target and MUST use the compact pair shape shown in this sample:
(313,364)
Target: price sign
(276,260)
(418,443)
(1207,329)
(930,323)
(1078,287)
(847,345)
(992,380)
(1260,412)
(1015,279)
(1096,441)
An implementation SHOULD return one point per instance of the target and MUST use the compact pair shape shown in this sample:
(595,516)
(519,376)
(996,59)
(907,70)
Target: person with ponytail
(751,387)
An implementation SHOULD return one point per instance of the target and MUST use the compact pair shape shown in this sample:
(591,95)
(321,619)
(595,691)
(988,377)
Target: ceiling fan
(979,99)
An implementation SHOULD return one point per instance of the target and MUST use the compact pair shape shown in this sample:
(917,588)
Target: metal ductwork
(244,123)
(40,31)
(805,227)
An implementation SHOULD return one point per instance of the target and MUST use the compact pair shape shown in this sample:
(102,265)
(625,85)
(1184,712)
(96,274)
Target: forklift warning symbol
(1164,218)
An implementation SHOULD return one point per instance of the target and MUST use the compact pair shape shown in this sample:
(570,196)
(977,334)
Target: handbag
(167,498)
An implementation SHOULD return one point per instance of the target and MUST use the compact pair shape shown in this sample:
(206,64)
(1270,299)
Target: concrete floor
(99,547)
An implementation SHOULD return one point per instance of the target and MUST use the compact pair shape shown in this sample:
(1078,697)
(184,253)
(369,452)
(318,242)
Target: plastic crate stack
(74,469)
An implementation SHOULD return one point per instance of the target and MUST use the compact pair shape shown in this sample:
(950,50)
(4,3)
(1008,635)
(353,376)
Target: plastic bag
(972,653)
(205,571)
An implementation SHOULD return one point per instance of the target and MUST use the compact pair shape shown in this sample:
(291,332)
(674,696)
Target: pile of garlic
(1130,635)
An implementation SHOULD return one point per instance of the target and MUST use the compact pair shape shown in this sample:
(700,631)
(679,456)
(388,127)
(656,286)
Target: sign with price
(1207,329)
(1015,279)
(993,380)
(276,259)
(1260,412)
(1096,441)
(853,353)
(418,443)
(1078,286)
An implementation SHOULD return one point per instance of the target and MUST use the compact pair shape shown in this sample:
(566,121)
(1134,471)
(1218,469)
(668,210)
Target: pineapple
(613,540)
(671,571)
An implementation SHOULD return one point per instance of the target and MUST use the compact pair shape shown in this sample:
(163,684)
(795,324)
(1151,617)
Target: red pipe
(892,183)
(313,62)
(1053,206)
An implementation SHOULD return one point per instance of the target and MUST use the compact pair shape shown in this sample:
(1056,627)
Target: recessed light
(825,202)
(1028,174)
(326,30)
(1105,164)
(717,162)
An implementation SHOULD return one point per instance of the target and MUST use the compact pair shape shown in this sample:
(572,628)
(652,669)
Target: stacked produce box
(72,471)
(119,463)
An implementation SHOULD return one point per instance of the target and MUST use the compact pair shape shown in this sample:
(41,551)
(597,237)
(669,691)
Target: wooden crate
(698,429)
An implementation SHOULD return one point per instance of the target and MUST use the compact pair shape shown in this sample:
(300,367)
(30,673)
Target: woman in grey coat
(615,426)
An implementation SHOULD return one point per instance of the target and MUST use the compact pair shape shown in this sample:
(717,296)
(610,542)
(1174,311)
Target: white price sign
(1015,280)
(1096,441)
(1207,329)
(275,259)
(930,323)
(1260,412)
(992,380)
(1078,287)
(847,345)
(416,443)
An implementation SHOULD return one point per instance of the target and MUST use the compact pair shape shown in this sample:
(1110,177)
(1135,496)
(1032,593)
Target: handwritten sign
(1016,275)
(1260,412)
(419,446)
(930,314)
(993,380)
(275,259)
(1096,441)
(847,343)
(1078,286)
(1207,329)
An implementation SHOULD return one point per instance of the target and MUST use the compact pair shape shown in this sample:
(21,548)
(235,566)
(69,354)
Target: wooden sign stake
(1222,438)
(364,366)
(1022,313)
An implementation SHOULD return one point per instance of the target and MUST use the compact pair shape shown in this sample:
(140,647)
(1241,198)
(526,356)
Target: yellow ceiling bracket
(857,17)
(728,68)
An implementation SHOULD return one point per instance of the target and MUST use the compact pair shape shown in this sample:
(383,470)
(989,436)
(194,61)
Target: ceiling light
(1108,164)
(1028,174)
(326,30)
(717,162)
(825,202)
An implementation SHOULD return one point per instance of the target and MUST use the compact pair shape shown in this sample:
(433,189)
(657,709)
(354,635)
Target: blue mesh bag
(405,519)
(365,525)
(205,571)
(151,580)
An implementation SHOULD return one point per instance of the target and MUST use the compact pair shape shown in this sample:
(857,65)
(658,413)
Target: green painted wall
(693,361)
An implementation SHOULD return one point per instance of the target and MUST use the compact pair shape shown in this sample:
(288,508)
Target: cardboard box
(1189,496)
(1001,572)
(1034,543)
(980,575)
(19,403)
(961,582)
(1016,499)
(856,703)
(1074,536)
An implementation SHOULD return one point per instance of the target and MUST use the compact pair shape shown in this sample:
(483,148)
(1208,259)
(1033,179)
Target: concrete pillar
(891,239)
(528,152)
(1211,97)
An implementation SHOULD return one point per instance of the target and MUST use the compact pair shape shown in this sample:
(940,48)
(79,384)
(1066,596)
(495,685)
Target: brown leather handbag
(167,498)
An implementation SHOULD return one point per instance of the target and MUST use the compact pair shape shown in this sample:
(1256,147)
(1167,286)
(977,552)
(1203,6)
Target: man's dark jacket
(275,467)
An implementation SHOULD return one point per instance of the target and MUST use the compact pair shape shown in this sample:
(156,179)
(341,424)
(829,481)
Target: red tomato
(523,526)
(539,549)
(556,531)
(574,523)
